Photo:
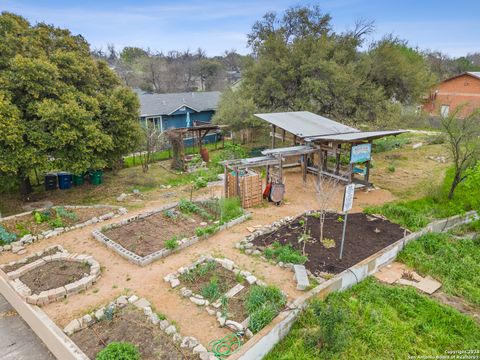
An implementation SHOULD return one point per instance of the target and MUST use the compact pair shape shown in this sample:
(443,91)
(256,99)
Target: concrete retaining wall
(265,340)
(53,338)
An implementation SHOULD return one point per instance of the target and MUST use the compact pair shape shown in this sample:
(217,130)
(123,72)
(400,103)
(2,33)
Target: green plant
(56,223)
(189,207)
(119,351)
(284,253)
(6,237)
(205,230)
(22,230)
(340,219)
(230,208)
(64,213)
(391,168)
(211,291)
(109,313)
(199,271)
(224,305)
(328,243)
(172,243)
(41,217)
(262,304)
(200,182)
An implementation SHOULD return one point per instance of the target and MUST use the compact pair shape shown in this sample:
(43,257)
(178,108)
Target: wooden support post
(325,161)
(337,159)
(283,136)
(304,168)
(320,163)
(273,136)
(237,185)
(294,140)
(225,181)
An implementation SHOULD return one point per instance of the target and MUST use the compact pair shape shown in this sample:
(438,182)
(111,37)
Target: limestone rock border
(59,248)
(56,294)
(17,246)
(185,342)
(147,259)
(212,309)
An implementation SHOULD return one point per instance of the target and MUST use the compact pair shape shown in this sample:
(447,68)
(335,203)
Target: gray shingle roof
(165,104)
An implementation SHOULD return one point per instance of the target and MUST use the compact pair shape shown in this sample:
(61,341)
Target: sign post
(347,205)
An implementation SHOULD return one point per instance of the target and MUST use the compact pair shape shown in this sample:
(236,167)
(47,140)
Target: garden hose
(226,346)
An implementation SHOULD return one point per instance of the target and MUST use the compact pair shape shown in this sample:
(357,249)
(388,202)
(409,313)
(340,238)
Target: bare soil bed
(147,235)
(30,260)
(26,224)
(365,236)
(130,325)
(54,274)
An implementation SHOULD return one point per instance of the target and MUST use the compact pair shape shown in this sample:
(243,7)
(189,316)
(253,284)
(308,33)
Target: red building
(450,93)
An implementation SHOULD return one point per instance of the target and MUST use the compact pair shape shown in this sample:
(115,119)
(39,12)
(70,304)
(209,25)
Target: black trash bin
(51,181)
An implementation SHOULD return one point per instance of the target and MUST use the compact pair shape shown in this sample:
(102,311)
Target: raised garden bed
(239,300)
(153,235)
(16,231)
(54,277)
(15,265)
(132,320)
(282,243)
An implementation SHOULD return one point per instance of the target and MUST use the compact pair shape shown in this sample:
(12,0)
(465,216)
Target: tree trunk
(25,185)
(456,181)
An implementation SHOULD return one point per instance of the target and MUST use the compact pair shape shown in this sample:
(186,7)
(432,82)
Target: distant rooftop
(474,73)
(152,104)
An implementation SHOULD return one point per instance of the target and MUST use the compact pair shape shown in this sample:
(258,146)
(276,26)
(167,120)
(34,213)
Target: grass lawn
(453,262)
(416,214)
(375,321)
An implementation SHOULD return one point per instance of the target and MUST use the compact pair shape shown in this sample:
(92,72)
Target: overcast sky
(452,27)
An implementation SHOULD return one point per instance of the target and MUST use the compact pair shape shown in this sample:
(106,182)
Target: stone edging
(145,260)
(52,295)
(59,248)
(18,246)
(197,299)
(187,342)
(266,339)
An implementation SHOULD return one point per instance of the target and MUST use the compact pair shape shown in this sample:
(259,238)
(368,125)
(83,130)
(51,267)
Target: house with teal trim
(178,110)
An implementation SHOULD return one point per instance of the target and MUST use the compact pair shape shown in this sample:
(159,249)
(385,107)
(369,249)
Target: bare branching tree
(463,141)
(326,187)
(151,141)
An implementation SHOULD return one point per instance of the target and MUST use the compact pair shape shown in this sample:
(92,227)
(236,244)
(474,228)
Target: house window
(444,110)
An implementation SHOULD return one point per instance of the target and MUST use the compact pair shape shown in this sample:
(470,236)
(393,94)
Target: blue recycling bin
(65,180)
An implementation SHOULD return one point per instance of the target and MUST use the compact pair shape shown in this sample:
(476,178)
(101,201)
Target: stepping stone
(301,277)
(234,291)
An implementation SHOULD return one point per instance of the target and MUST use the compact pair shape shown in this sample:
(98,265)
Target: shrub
(205,230)
(172,243)
(119,351)
(284,253)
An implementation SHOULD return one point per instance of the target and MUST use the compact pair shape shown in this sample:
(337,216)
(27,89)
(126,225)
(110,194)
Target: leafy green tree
(60,108)
(403,72)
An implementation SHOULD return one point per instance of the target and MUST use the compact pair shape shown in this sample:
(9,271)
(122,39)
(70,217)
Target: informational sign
(360,153)
(348,197)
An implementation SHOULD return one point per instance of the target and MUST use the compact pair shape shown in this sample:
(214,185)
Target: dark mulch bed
(10,268)
(147,235)
(364,237)
(54,274)
(130,325)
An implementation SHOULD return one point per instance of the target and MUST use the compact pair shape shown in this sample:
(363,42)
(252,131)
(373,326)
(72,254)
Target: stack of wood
(247,185)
